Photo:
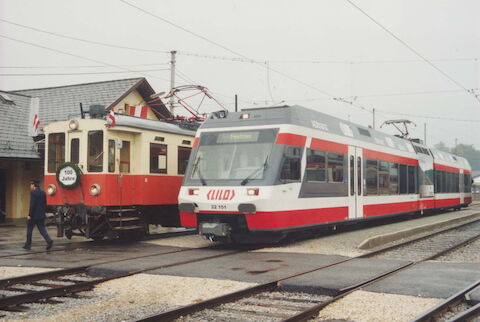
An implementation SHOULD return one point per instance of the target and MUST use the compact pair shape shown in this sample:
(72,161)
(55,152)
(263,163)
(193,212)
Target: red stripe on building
(445,168)
(291,139)
(389,208)
(293,218)
(144,112)
(447,202)
(195,142)
(370,154)
(330,146)
(188,219)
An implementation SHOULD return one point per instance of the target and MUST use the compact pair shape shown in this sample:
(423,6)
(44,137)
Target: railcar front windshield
(240,155)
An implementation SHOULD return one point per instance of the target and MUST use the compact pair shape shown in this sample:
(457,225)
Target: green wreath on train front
(68,175)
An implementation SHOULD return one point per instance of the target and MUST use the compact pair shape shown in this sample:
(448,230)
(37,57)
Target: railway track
(249,304)
(458,307)
(67,282)
(92,244)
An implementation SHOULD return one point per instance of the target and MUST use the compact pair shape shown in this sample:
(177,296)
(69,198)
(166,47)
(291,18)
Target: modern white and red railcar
(262,173)
(109,181)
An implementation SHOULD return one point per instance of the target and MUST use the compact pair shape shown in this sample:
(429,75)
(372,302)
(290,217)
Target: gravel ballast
(130,298)
(362,306)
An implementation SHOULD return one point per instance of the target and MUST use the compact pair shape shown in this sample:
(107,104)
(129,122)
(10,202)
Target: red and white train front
(260,174)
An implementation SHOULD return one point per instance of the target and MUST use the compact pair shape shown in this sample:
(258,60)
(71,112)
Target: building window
(291,164)
(75,150)
(371,173)
(56,151)
(315,171)
(95,151)
(158,158)
(183,155)
(111,155)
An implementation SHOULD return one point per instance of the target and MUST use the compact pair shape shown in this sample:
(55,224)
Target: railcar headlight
(253,192)
(73,125)
(95,189)
(193,192)
(51,189)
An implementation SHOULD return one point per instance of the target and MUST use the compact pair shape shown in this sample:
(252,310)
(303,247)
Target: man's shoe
(26,247)
(49,244)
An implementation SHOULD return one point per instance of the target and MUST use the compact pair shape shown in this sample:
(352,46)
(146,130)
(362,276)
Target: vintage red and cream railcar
(111,181)
(262,173)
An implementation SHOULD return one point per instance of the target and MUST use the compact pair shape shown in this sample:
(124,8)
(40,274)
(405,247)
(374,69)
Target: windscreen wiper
(253,174)
(195,168)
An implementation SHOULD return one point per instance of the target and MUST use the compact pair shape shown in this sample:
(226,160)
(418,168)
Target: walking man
(36,215)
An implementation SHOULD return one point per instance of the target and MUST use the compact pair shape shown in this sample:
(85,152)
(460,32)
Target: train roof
(146,124)
(306,117)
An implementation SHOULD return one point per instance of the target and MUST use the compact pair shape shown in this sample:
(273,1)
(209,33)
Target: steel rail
(457,297)
(310,312)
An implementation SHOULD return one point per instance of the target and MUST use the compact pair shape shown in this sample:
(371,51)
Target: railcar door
(355,182)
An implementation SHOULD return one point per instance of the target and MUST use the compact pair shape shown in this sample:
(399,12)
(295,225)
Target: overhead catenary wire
(77,66)
(81,73)
(78,56)
(413,50)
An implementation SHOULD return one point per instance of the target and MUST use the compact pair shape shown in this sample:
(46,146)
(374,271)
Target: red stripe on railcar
(467,200)
(329,146)
(445,168)
(292,218)
(291,139)
(389,208)
(195,142)
(426,204)
(467,171)
(388,157)
(142,190)
(447,202)
(188,219)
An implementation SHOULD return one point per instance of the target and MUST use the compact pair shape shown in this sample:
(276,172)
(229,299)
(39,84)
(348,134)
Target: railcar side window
(291,164)
(183,155)
(125,157)
(383,178)
(394,178)
(412,179)
(456,182)
(315,166)
(371,172)
(352,175)
(335,167)
(438,181)
(467,179)
(359,175)
(95,151)
(74,150)
(56,151)
(111,155)
(403,178)
(158,158)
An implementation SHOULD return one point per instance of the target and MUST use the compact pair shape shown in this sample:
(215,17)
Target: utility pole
(373,113)
(425,133)
(172,79)
(236,103)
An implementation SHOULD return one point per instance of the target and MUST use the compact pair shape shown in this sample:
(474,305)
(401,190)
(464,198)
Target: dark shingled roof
(62,102)
(15,141)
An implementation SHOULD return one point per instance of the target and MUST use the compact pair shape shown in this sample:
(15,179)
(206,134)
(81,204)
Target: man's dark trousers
(40,223)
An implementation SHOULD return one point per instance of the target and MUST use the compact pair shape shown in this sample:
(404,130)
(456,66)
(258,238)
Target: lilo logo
(220,194)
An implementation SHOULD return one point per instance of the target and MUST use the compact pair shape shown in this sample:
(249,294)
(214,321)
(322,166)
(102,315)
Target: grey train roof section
(146,124)
(62,102)
(302,116)
(15,141)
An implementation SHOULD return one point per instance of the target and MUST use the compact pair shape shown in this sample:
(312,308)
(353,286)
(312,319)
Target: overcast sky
(307,53)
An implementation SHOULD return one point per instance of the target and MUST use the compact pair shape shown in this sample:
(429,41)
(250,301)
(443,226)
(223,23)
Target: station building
(22,147)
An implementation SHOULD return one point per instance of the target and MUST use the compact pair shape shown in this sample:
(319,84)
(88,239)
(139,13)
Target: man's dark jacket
(38,203)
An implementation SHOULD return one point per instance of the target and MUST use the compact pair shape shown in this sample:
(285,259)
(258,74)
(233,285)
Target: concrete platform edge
(379,240)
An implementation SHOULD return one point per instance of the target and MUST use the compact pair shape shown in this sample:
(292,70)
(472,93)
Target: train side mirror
(119,143)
